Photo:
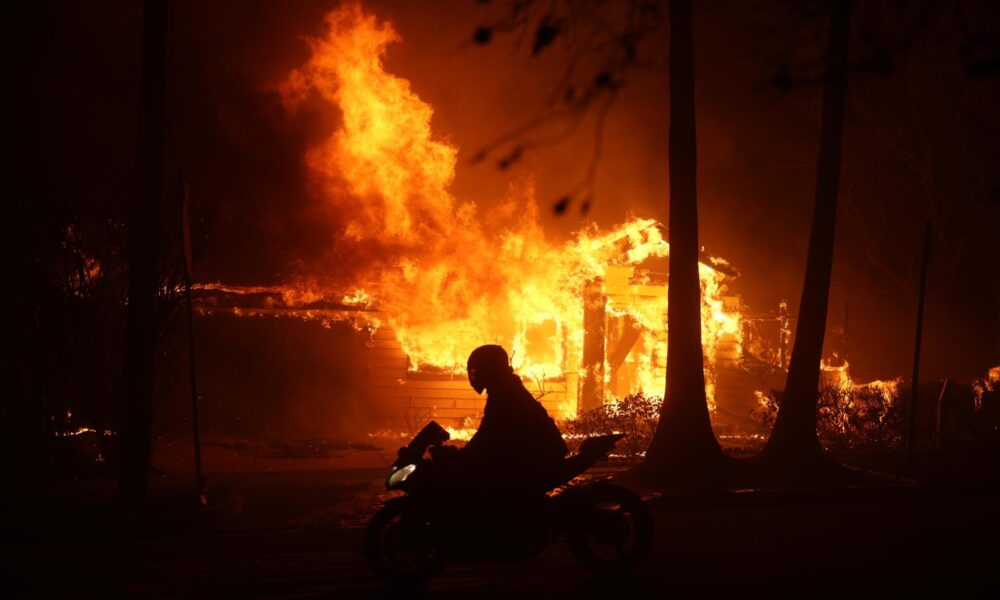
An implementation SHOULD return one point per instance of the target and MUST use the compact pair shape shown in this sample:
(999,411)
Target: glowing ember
(987,384)
(77,432)
(833,375)
(82,431)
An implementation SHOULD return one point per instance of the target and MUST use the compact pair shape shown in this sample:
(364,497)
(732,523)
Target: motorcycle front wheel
(402,546)
(614,531)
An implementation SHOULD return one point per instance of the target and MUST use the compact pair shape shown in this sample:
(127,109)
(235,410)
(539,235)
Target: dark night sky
(922,140)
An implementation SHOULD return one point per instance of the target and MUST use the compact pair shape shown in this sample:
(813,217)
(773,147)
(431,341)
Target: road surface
(911,544)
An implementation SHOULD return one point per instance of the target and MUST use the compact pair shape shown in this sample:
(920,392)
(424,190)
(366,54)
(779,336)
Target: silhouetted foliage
(482,35)
(986,402)
(64,360)
(848,416)
(635,415)
(63,352)
(546,33)
(64,363)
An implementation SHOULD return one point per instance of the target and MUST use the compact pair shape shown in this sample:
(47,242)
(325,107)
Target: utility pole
(142,243)
(199,479)
(910,441)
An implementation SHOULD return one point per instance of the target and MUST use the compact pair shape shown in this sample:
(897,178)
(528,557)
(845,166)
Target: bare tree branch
(603,40)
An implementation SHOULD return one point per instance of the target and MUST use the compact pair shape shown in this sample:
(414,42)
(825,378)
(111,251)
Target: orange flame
(450,277)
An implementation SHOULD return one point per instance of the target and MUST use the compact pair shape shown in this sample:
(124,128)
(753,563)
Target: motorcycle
(414,535)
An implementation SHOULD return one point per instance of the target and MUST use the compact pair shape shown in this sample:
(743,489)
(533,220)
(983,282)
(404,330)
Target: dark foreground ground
(296,534)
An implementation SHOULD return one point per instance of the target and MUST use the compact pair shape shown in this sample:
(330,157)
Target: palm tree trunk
(793,438)
(684,440)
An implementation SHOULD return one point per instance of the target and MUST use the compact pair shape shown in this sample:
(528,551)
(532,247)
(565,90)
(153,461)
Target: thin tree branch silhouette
(602,40)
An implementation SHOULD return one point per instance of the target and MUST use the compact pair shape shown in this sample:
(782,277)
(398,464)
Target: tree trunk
(793,439)
(142,242)
(684,441)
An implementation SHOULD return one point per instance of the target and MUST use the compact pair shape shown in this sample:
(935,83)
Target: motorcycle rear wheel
(614,532)
(402,546)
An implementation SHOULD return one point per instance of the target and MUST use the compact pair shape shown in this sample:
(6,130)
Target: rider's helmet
(487,365)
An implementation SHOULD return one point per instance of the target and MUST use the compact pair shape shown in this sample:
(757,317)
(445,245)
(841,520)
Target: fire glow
(449,275)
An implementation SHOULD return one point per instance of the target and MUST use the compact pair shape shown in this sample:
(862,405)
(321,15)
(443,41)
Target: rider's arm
(485,437)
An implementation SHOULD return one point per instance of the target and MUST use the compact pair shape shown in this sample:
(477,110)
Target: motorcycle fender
(411,505)
(574,504)
(401,501)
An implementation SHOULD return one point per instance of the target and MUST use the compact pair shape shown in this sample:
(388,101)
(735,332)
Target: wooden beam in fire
(214,298)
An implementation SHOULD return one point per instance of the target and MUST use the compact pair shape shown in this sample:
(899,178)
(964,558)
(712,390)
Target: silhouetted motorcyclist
(516,439)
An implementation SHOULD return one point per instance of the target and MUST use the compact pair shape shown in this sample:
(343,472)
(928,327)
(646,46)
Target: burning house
(614,346)
(421,277)
(584,320)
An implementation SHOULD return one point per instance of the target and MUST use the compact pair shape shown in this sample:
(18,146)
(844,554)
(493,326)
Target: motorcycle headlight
(399,476)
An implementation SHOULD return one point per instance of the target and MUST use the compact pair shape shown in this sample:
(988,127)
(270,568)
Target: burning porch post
(592,390)
(784,332)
